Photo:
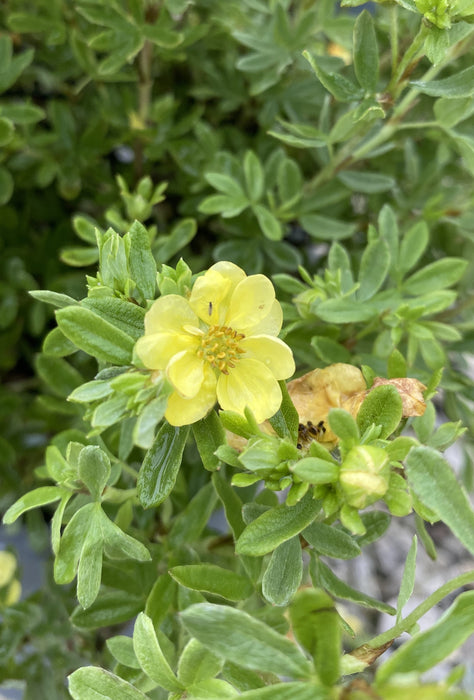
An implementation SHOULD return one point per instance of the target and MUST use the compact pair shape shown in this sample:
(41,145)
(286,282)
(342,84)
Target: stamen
(220,347)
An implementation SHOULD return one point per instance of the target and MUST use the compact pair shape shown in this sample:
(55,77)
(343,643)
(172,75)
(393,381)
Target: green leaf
(408,579)
(324,577)
(89,571)
(6,185)
(197,663)
(94,469)
(340,87)
(429,648)
(72,542)
(282,577)
(376,523)
(222,204)
(344,426)
(121,648)
(124,315)
(275,526)
(160,467)
(189,524)
(150,656)
(330,541)
(77,256)
(388,228)
(368,183)
(329,350)
(326,229)
(345,311)
(7,131)
(225,184)
(315,470)
(209,434)
(110,608)
(181,234)
(234,634)
(22,112)
(92,683)
(61,377)
(91,391)
(285,422)
(374,268)
(254,176)
(458,85)
(366,55)
(33,499)
(119,545)
(287,691)
(213,579)
(54,298)
(57,345)
(316,625)
(383,406)
(433,481)
(269,225)
(141,261)
(396,365)
(95,336)
(442,273)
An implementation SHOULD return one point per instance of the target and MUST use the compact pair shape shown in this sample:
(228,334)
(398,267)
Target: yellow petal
(181,411)
(250,383)
(273,352)
(186,373)
(252,300)
(156,350)
(211,293)
(271,324)
(169,313)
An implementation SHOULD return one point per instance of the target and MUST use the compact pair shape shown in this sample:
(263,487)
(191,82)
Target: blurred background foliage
(205,122)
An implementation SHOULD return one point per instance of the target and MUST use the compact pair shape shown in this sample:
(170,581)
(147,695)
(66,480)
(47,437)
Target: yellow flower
(220,344)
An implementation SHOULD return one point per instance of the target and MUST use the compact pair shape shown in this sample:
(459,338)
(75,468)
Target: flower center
(220,347)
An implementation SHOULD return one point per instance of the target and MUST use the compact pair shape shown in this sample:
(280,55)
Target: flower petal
(211,293)
(252,300)
(271,324)
(181,411)
(273,352)
(186,373)
(157,349)
(250,383)
(169,313)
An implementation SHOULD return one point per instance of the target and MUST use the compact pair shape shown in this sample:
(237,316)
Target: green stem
(394,36)
(413,54)
(432,600)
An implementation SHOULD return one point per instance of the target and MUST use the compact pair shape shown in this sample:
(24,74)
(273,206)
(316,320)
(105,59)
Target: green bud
(397,497)
(364,475)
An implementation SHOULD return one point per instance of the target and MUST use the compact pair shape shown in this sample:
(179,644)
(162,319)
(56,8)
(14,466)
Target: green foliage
(329,150)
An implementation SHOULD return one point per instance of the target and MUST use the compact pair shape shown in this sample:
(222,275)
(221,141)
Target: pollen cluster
(220,347)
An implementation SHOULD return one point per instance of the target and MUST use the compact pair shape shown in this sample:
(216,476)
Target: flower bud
(364,475)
